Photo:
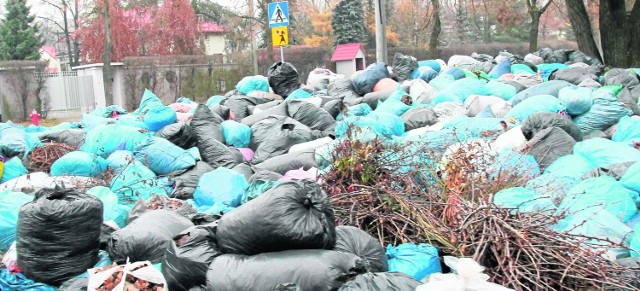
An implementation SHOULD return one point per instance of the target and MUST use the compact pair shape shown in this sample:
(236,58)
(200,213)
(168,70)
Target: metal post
(381,31)
(282,54)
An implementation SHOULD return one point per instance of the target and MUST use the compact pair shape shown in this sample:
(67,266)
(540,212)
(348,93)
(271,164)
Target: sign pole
(282,54)
(278,19)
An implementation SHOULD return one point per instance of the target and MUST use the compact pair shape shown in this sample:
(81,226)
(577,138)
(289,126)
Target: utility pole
(254,53)
(106,57)
(381,31)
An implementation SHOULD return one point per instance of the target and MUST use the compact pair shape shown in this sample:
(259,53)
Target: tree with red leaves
(174,30)
(123,34)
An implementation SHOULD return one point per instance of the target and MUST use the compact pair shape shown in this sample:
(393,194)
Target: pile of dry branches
(454,213)
(41,158)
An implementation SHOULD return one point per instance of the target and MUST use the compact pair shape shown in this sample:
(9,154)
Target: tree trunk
(487,24)
(614,33)
(67,36)
(533,32)
(435,30)
(634,27)
(582,27)
(106,57)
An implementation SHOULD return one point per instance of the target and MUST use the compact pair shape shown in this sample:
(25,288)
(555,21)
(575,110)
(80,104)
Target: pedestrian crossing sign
(278,14)
(280,36)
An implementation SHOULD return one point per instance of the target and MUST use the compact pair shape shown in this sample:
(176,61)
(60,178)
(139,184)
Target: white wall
(346,68)
(214,44)
(95,70)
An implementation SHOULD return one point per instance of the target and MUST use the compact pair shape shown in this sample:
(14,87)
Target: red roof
(346,52)
(50,50)
(207,26)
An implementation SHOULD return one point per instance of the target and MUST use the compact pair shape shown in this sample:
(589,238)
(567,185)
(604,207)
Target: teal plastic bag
(635,242)
(521,69)
(214,100)
(112,210)
(164,157)
(130,120)
(473,128)
(236,134)
(605,111)
(577,99)
(513,164)
(442,81)
(605,192)
(148,102)
(108,111)
(417,261)
(535,104)
(434,65)
(158,117)
(459,90)
(19,281)
(631,178)
(79,164)
(383,124)
(555,186)
(573,166)
(362,109)
(252,83)
(90,122)
(603,152)
(10,203)
(598,223)
(628,131)
(120,159)
(502,90)
(392,106)
(547,69)
(524,200)
(106,139)
(299,94)
(13,169)
(136,181)
(221,185)
(257,188)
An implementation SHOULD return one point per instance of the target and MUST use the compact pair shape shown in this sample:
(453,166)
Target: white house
(349,58)
(213,34)
(48,53)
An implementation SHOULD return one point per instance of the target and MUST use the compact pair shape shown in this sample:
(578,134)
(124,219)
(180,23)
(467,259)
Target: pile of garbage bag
(208,195)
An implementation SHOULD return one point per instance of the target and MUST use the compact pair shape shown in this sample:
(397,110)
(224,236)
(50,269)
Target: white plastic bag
(512,139)
(468,276)
(138,270)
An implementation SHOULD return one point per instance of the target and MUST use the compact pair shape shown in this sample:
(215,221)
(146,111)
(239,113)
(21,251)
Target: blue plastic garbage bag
(13,169)
(392,106)
(459,90)
(158,117)
(631,178)
(547,88)
(257,188)
(573,166)
(417,261)
(555,186)
(108,111)
(434,65)
(364,82)
(79,164)
(106,139)
(136,181)
(457,73)
(356,110)
(112,210)
(521,69)
(502,68)
(577,99)
(13,140)
(299,94)
(425,73)
(215,100)
(595,222)
(384,124)
(502,90)
(442,81)
(603,191)
(130,120)
(18,281)
(253,83)
(90,122)
(473,128)
(236,134)
(120,159)
(221,185)
(547,69)
(35,129)
(148,102)
(535,104)
(603,152)
(635,242)
(10,203)
(606,110)
(523,200)
(164,157)
(628,131)
(513,164)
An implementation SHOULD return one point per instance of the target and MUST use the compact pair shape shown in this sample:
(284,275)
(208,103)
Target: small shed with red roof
(349,58)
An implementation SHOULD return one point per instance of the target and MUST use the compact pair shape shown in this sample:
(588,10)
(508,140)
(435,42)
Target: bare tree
(536,9)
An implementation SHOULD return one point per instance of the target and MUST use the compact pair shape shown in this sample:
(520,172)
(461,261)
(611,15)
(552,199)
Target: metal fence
(69,92)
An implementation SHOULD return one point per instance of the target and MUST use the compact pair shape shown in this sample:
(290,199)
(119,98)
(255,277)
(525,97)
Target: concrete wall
(214,44)
(95,70)
(346,68)
(10,101)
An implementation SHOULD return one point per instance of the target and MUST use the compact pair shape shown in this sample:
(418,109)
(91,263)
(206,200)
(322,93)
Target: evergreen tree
(19,36)
(348,22)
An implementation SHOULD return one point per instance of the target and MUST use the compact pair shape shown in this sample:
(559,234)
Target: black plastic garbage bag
(419,117)
(283,78)
(275,135)
(310,115)
(287,162)
(547,88)
(72,137)
(187,259)
(245,169)
(317,270)
(293,215)
(364,82)
(543,120)
(264,175)
(333,107)
(546,54)
(373,98)
(147,237)
(550,144)
(342,89)
(403,66)
(355,241)
(618,76)
(157,202)
(239,105)
(278,110)
(186,182)
(577,75)
(180,134)
(615,171)
(210,140)
(580,57)
(381,282)
(223,111)
(58,235)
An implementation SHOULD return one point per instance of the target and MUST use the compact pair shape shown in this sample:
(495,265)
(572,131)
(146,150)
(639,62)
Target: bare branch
(51,20)
(546,6)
